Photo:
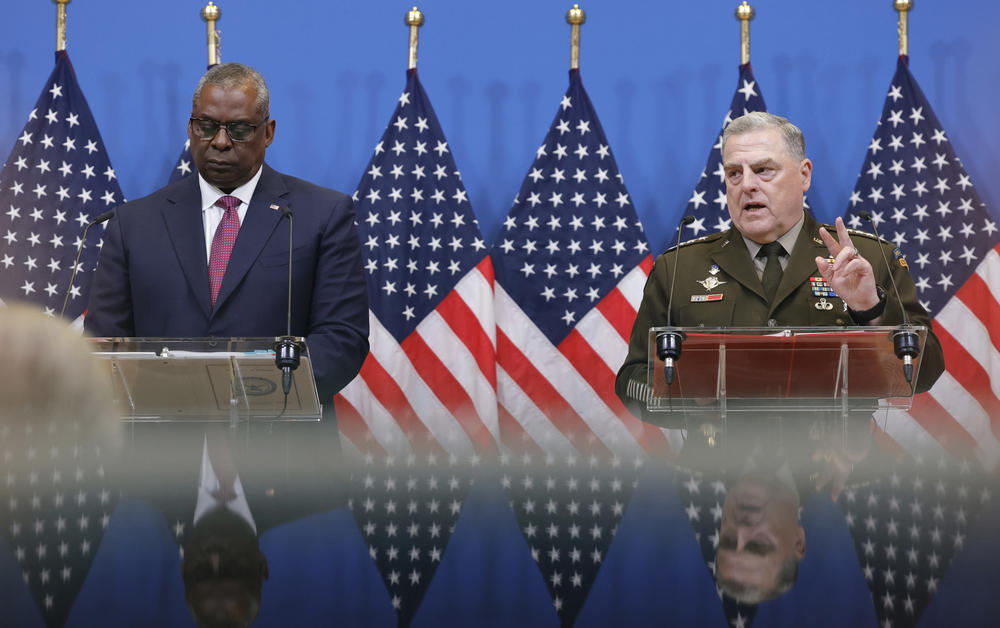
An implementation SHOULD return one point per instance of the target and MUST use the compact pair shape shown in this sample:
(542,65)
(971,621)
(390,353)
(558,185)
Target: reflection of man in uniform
(760,538)
(776,266)
(208,255)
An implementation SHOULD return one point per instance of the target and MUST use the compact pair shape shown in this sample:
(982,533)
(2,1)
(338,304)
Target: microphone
(668,343)
(905,341)
(106,216)
(287,350)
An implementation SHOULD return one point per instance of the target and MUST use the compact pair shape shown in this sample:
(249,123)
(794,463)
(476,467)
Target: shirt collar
(211,194)
(787,241)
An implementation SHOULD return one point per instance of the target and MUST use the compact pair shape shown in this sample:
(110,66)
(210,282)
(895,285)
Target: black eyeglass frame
(228,126)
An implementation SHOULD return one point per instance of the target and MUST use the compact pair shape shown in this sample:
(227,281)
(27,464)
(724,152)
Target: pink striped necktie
(222,244)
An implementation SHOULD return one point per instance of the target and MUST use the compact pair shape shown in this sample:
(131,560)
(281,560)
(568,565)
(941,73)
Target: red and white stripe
(961,412)
(435,391)
(561,399)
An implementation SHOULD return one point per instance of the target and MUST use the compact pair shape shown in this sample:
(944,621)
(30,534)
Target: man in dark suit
(208,255)
(776,266)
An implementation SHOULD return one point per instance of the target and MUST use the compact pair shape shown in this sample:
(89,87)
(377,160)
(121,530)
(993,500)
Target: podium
(232,380)
(794,371)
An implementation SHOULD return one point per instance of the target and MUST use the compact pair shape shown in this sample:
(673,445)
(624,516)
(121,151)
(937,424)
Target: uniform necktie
(772,269)
(222,244)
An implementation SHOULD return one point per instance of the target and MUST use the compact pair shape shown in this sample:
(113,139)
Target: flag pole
(61,24)
(903,6)
(744,13)
(575,17)
(414,19)
(211,14)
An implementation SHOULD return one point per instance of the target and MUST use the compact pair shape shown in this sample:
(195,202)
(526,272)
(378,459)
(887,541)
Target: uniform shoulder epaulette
(858,232)
(705,238)
(870,236)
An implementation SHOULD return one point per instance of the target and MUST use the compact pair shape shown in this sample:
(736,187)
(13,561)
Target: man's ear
(800,542)
(269,127)
(805,170)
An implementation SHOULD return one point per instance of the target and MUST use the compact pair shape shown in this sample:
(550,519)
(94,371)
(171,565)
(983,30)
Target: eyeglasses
(207,128)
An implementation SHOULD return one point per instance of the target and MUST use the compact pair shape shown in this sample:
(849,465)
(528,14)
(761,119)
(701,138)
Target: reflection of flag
(56,179)
(571,262)
(568,510)
(429,381)
(907,528)
(922,199)
(406,509)
(708,201)
(184,165)
(57,503)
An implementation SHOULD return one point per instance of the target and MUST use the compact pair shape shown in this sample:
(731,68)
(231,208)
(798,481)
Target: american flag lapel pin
(275,207)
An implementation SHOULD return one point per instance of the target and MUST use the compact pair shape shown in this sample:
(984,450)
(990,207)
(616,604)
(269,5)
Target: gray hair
(236,76)
(795,143)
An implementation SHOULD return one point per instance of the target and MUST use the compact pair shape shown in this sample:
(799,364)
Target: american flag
(424,404)
(57,502)
(708,201)
(571,262)
(56,179)
(921,198)
(184,165)
(429,383)
(908,526)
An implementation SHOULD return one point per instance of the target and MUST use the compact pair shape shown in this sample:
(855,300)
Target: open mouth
(749,207)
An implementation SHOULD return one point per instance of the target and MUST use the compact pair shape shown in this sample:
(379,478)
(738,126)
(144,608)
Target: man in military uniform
(776,266)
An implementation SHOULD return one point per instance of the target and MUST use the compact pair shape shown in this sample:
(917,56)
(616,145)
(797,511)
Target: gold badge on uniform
(899,257)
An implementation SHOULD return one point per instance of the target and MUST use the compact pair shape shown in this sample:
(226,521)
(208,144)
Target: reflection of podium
(205,379)
(789,371)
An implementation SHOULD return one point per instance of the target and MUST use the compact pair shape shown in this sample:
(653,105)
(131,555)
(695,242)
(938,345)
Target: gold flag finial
(61,24)
(414,19)
(575,17)
(744,13)
(211,14)
(903,6)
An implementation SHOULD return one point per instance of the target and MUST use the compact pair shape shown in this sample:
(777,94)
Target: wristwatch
(865,316)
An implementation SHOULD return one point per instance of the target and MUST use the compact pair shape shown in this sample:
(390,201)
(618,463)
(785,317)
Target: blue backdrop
(660,75)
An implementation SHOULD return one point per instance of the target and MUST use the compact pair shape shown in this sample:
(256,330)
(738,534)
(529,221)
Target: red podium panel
(759,369)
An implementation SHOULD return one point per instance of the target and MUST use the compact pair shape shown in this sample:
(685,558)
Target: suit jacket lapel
(731,255)
(182,216)
(257,226)
(802,263)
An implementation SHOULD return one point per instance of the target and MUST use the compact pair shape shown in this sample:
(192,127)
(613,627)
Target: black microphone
(905,341)
(287,350)
(668,343)
(106,216)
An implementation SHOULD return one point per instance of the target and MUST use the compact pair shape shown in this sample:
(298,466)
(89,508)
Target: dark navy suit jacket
(152,277)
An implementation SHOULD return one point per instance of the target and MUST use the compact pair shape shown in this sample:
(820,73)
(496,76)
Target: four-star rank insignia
(820,288)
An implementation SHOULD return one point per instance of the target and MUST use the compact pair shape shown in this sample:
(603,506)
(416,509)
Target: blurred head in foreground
(760,538)
(52,391)
(223,571)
